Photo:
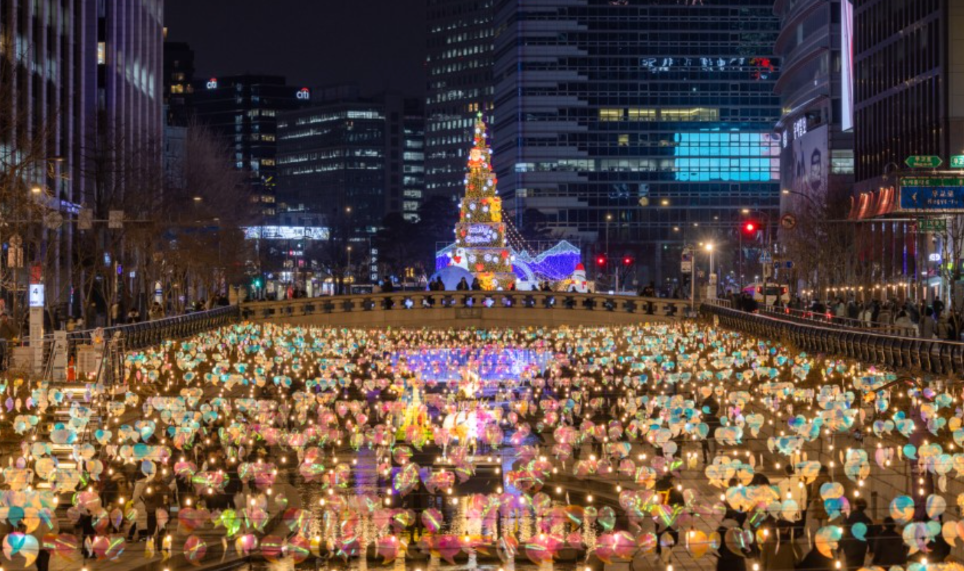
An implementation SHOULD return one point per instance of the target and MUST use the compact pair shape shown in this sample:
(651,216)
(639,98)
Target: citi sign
(212,83)
(303,94)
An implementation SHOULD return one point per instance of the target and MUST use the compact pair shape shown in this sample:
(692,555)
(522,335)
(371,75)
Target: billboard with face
(806,163)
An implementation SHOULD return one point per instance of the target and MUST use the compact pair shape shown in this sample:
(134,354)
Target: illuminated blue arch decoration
(556,263)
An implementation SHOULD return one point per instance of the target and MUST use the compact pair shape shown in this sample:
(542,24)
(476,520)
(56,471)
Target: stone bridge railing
(446,309)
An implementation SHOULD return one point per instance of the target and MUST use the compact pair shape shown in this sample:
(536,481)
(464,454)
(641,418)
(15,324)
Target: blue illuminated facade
(650,122)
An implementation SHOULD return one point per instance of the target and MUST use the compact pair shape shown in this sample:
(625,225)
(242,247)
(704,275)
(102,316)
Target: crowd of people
(927,320)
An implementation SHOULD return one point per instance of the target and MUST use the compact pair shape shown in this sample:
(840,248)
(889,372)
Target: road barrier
(908,353)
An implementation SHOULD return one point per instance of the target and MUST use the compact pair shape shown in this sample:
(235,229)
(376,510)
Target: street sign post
(931,225)
(686,265)
(687,268)
(932,193)
(115,219)
(924,161)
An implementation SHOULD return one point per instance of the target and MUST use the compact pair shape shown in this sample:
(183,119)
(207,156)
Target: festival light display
(480,245)
(553,264)
(456,445)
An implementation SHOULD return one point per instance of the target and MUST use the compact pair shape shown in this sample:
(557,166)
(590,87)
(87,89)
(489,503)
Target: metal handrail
(145,333)
(898,352)
(827,319)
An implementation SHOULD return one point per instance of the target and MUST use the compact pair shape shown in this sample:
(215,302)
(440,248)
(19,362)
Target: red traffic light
(627,261)
(601,261)
(750,227)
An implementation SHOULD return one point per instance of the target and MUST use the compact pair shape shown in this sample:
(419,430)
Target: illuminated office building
(89,74)
(908,101)
(244,110)
(650,123)
(907,98)
(459,68)
(178,82)
(363,153)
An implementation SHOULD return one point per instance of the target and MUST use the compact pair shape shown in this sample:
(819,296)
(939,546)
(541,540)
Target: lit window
(842,162)
(642,114)
(101,53)
(623,140)
(610,114)
(692,114)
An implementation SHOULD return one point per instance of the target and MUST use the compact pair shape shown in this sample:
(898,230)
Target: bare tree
(822,243)
(27,169)
(203,212)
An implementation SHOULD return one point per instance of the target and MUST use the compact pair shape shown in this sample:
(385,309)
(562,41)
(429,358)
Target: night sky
(379,44)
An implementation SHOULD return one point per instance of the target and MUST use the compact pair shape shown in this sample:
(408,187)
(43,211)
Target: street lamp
(810,199)
(349,266)
(711,289)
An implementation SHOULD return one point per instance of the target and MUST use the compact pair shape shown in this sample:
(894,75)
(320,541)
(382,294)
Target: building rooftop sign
(319,233)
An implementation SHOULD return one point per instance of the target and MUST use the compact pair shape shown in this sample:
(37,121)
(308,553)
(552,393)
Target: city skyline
(458,285)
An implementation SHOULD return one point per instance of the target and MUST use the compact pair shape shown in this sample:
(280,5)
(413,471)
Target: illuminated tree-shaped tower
(480,233)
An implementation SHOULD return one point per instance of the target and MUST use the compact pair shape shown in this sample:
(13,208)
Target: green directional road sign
(931,224)
(924,162)
(957,162)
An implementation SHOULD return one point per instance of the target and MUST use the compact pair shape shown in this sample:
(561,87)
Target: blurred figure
(853,548)
(889,547)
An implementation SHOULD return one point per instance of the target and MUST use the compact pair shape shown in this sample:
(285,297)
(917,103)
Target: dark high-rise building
(907,100)
(244,110)
(85,76)
(638,126)
(129,54)
(459,67)
(178,82)
(816,93)
(366,154)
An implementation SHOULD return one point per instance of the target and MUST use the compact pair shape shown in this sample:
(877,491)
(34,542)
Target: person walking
(927,324)
(8,332)
(140,523)
(728,560)
(889,547)
(817,510)
(853,548)
(793,488)
(778,552)
(711,414)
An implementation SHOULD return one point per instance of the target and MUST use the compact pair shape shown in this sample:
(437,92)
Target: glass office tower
(638,127)
(459,69)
